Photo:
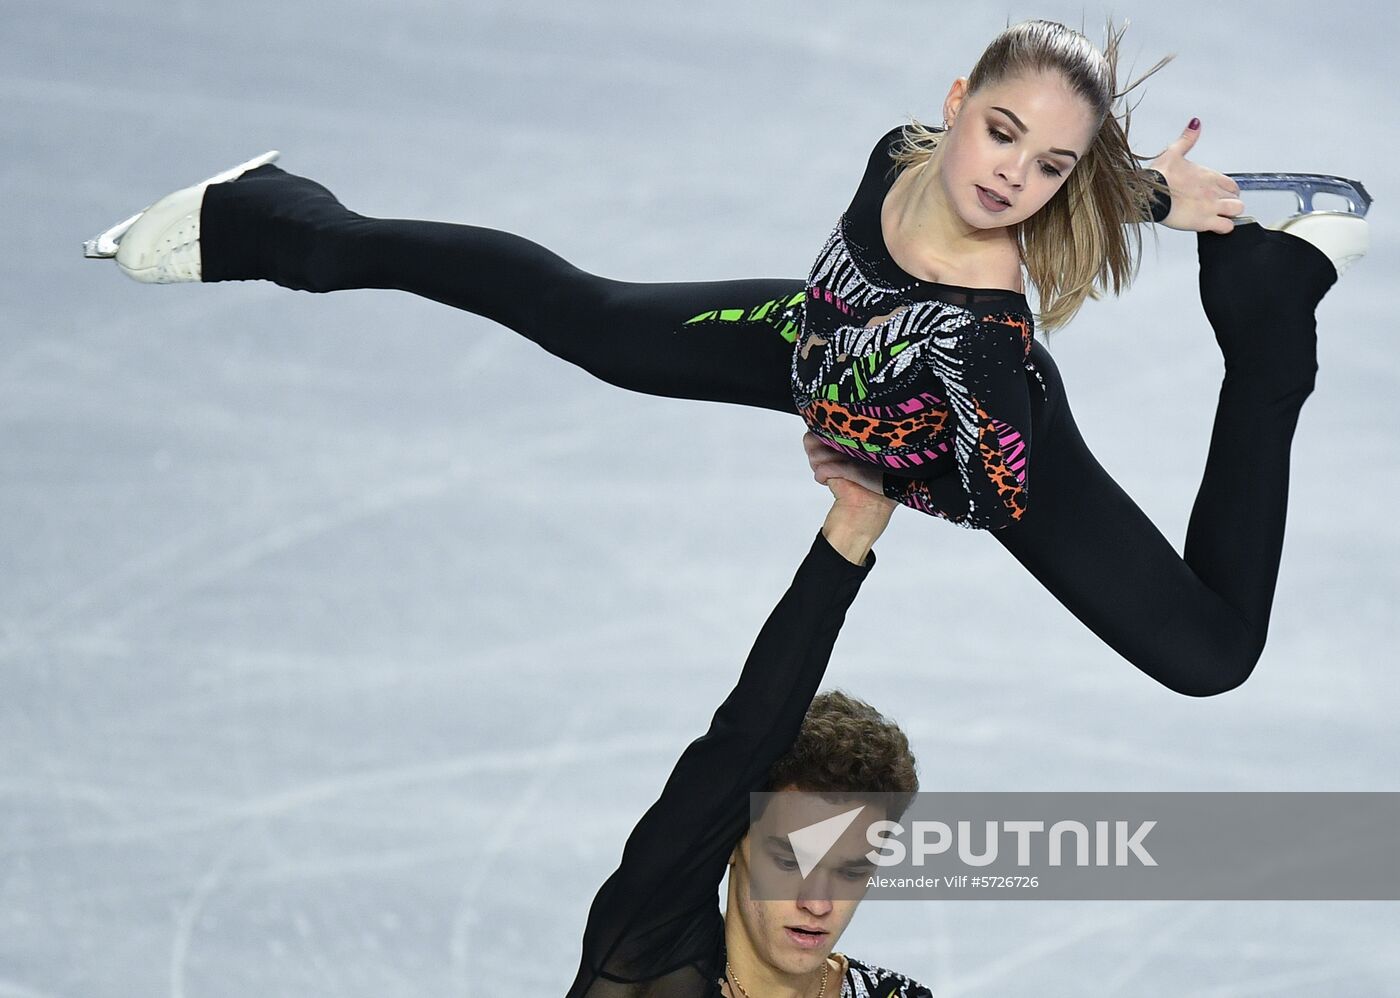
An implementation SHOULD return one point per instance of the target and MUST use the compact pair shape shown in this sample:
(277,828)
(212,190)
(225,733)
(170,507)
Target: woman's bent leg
(727,341)
(1260,290)
(1196,624)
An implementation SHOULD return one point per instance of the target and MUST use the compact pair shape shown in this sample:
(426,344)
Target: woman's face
(1019,139)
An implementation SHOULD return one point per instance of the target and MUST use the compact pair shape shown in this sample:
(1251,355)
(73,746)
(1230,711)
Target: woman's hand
(1202,200)
(861,511)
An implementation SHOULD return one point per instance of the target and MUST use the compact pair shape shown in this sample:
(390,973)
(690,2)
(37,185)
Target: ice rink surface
(343,638)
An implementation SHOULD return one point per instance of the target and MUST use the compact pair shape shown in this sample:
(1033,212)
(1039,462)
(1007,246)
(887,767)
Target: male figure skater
(655,928)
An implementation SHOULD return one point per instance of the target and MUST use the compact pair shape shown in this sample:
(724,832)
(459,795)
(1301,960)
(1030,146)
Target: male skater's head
(847,753)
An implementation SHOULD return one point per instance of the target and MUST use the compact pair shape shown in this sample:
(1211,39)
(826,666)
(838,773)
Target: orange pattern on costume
(878,432)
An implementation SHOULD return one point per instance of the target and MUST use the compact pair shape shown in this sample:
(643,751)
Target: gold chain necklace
(729,973)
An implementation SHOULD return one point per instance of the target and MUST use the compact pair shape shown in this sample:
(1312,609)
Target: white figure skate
(160,243)
(1342,235)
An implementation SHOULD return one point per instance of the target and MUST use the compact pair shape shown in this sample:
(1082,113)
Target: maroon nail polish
(1195,124)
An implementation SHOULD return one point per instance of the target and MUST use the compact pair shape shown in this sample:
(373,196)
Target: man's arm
(656,919)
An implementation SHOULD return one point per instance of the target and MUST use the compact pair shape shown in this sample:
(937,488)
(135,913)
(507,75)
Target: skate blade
(1305,185)
(103,246)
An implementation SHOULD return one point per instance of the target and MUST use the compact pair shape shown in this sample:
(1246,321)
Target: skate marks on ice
(472,907)
(271,534)
(160,574)
(539,768)
(309,794)
(188,912)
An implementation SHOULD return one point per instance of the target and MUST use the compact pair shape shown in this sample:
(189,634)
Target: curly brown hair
(848,748)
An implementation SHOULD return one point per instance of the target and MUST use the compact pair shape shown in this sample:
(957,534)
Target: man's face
(796,936)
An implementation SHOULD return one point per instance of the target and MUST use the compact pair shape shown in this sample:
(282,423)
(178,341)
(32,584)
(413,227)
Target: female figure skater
(909,350)
(655,928)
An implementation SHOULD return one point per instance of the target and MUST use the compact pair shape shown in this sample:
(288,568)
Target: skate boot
(1342,235)
(160,244)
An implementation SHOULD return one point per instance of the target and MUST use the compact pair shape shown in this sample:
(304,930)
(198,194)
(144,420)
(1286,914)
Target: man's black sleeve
(655,926)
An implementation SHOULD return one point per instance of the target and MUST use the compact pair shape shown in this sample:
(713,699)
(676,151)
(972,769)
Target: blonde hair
(1082,242)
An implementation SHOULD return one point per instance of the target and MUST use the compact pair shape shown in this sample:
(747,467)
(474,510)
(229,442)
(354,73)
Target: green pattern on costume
(777,313)
(860,371)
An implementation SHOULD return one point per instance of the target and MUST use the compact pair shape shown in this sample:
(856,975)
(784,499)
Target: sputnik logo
(811,842)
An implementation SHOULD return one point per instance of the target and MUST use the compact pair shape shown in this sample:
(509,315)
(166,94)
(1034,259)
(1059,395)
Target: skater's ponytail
(1083,242)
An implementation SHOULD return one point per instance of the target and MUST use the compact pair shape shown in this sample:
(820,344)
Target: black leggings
(1195,624)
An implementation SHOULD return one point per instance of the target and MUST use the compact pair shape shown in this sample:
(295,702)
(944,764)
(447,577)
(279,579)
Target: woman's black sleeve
(655,926)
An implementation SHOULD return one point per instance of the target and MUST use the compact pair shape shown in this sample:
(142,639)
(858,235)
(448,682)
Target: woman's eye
(1003,138)
(785,864)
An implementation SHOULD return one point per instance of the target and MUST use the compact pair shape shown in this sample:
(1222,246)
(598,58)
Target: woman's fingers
(1187,138)
(1226,210)
(1203,200)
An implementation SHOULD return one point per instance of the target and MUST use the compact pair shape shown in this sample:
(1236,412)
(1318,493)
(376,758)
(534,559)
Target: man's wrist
(852,537)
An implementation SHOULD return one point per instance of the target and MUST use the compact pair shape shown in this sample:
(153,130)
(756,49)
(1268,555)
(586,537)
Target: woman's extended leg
(1196,624)
(727,341)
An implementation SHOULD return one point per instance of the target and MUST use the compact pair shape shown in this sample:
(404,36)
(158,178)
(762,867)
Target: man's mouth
(805,936)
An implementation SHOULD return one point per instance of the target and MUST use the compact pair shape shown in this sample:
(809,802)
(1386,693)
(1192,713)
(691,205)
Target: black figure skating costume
(943,387)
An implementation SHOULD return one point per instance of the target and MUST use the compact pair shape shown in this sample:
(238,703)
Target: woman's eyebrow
(1026,131)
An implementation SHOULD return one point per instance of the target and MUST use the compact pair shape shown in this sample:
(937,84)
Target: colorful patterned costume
(912,374)
(923,379)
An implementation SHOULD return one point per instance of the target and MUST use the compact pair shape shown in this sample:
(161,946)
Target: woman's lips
(989,202)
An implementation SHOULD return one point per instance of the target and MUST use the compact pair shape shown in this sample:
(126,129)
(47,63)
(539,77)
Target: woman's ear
(957,93)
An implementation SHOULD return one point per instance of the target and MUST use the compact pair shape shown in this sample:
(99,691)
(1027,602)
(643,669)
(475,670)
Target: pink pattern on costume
(910,459)
(825,294)
(1013,448)
(920,402)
